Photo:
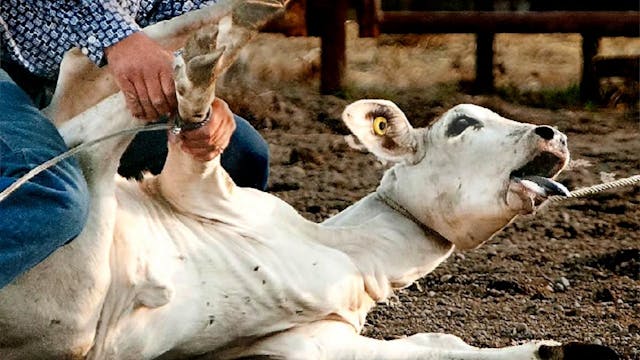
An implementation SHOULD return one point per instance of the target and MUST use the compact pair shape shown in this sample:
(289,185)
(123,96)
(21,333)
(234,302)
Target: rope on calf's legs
(53,161)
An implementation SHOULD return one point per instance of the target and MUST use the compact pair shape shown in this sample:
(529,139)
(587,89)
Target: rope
(51,162)
(382,197)
(591,190)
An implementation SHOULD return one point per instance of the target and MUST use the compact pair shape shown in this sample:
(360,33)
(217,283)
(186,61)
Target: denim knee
(50,209)
(36,221)
(246,159)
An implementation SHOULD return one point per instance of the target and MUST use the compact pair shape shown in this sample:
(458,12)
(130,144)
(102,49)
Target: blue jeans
(50,209)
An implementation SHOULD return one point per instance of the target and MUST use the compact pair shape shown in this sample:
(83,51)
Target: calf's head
(468,174)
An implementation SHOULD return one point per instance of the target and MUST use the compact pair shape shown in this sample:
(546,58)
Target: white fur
(186,262)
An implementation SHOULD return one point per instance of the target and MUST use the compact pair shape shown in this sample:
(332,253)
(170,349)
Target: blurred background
(490,26)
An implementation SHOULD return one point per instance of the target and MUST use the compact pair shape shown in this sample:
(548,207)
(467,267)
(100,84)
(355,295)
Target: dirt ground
(569,273)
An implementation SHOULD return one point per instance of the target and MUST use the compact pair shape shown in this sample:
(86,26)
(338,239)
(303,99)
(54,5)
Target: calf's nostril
(545,132)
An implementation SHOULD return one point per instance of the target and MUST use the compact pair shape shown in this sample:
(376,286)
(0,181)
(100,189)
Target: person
(53,206)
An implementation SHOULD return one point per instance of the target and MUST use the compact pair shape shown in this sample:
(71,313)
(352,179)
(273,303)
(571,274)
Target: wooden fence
(328,18)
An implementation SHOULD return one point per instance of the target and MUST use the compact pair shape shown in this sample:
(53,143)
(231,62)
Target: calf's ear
(384,130)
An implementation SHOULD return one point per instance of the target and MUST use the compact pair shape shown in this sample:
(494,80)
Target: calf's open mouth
(536,175)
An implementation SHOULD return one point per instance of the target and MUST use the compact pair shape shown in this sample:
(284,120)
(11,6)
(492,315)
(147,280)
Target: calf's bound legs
(246,159)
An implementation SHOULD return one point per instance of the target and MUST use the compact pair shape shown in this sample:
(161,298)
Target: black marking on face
(460,124)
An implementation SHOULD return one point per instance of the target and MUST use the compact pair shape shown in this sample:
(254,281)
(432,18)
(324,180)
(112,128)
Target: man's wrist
(101,26)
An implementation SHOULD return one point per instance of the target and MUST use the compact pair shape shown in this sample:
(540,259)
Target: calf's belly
(229,289)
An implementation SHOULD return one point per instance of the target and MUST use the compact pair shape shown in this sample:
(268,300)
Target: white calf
(187,263)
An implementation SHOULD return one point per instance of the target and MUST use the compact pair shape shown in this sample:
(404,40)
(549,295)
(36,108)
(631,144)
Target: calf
(187,263)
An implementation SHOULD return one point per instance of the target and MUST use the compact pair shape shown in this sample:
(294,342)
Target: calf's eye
(380,125)
(460,124)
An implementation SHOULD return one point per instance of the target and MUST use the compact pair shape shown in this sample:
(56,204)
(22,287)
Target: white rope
(591,190)
(51,162)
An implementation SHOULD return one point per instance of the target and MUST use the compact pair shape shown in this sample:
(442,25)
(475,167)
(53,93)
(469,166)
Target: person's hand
(210,140)
(143,70)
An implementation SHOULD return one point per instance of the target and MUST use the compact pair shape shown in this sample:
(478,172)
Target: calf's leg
(246,159)
(338,340)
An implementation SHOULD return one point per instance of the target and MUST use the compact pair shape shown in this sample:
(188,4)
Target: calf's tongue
(547,187)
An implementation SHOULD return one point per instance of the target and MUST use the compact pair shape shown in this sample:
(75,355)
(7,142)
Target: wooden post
(333,43)
(367,12)
(313,21)
(589,84)
(484,54)
(484,62)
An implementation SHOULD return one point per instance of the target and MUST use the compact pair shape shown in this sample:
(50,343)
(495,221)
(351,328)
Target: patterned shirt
(37,33)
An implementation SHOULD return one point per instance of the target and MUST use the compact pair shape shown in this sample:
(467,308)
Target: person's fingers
(220,108)
(211,139)
(203,144)
(214,133)
(150,112)
(169,90)
(156,94)
(224,119)
(223,136)
(142,68)
(201,147)
(199,144)
(205,148)
(131,98)
(204,133)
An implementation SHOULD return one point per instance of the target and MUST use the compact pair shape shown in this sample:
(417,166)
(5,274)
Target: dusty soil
(569,273)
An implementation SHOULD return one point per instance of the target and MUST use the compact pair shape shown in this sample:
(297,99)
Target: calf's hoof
(577,351)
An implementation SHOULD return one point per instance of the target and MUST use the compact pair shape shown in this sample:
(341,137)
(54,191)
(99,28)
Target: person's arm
(143,70)
(98,25)
(108,33)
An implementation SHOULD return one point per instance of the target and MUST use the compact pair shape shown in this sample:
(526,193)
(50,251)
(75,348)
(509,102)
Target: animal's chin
(533,182)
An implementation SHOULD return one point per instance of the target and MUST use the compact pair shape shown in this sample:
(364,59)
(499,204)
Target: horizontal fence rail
(604,23)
